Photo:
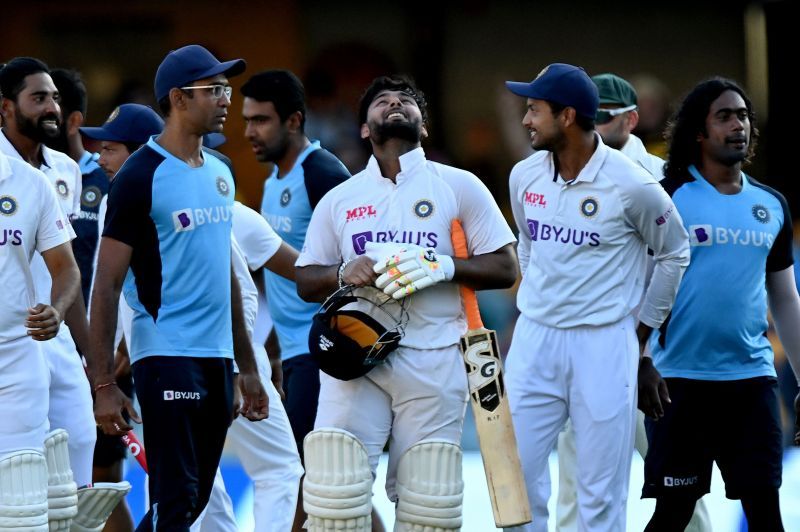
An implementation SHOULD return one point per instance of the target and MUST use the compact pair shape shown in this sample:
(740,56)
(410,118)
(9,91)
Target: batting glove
(410,271)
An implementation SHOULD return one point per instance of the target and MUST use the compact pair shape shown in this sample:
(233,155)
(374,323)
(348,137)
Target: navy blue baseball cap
(563,84)
(190,63)
(130,122)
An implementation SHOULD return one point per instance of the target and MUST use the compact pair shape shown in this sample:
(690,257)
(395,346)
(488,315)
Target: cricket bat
(487,394)
(136,448)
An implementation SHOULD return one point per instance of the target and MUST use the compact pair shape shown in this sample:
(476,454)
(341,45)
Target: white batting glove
(412,270)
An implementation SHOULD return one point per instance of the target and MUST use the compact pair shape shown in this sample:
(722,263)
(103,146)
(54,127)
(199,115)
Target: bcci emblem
(423,208)
(8,205)
(91,196)
(113,115)
(760,213)
(589,207)
(222,186)
(286,197)
(62,188)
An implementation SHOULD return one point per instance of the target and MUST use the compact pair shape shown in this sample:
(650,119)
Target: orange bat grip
(459,240)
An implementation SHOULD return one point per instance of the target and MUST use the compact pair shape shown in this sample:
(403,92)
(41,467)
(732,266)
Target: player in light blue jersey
(717,401)
(168,227)
(274,112)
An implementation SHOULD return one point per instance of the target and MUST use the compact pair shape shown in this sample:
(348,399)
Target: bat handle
(136,448)
(459,241)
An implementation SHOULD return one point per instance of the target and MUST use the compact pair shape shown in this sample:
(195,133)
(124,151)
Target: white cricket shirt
(417,210)
(30,220)
(583,244)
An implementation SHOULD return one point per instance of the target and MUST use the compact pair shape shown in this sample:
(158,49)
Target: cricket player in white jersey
(399,207)
(616,117)
(30,220)
(30,116)
(586,216)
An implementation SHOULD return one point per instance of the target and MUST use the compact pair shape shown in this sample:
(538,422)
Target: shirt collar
(9,149)
(700,178)
(589,172)
(409,162)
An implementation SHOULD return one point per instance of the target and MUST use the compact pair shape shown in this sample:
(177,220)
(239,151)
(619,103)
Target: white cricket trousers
(23,396)
(587,375)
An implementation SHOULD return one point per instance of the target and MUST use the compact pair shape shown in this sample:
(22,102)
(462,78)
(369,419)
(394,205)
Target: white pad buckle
(430,489)
(337,489)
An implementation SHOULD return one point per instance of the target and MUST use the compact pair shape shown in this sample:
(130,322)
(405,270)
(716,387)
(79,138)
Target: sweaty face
(112,155)
(394,115)
(615,132)
(543,127)
(268,136)
(727,136)
(36,111)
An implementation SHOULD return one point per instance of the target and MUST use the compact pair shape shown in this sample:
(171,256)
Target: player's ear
(74,121)
(364,131)
(177,98)
(424,132)
(294,121)
(633,119)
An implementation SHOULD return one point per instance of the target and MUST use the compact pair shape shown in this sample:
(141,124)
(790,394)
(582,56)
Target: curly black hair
(391,83)
(689,121)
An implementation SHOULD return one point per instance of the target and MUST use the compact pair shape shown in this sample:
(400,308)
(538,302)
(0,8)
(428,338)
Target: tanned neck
(388,156)
(575,153)
(296,146)
(183,144)
(30,150)
(726,179)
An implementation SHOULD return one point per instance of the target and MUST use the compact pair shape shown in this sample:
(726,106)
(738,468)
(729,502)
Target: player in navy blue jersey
(717,401)
(168,236)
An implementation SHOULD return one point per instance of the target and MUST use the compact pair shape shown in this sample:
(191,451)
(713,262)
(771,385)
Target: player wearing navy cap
(169,221)
(586,216)
(713,351)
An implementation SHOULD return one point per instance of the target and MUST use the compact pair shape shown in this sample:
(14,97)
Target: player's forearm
(669,264)
(75,319)
(102,329)
(65,289)
(498,269)
(272,346)
(315,283)
(242,349)
(784,303)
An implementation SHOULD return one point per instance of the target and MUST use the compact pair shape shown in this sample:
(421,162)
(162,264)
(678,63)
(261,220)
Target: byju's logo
(171,395)
(360,242)
(672,482)
(562,235)
(700,235)
(183,220)
(423,239)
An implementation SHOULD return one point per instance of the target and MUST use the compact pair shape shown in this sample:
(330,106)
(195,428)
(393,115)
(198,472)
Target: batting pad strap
(430,489)
(95,504)
(337,489)
(62,493)
(23,492)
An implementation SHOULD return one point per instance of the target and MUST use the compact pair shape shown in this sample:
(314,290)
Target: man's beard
(59,142)
(408,131)
(34,130)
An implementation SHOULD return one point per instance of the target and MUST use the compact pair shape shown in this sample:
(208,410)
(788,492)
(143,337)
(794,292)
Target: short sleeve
(321,247)
(257,240)
(780,254)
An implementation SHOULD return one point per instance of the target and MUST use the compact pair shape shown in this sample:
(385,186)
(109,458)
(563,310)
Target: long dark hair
(690,120)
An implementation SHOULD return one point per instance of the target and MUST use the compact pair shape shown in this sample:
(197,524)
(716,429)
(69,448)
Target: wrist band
(340,273)
(101,386)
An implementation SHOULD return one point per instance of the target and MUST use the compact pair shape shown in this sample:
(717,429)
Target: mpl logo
(534,199)
(183,220)
(360,213)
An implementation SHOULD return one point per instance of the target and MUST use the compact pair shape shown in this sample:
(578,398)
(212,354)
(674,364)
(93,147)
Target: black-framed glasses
(604,116)
(216,90)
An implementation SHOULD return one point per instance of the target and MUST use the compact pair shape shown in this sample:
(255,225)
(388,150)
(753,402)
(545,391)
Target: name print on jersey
(418,238)
(708,235)
(190,219)
(542,232)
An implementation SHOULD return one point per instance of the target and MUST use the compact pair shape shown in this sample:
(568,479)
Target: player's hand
(359,272)
(109,403)
(276,366)
(653,392)
(255,403)
(237,397)
(43,322)
(412,270)
(797,420)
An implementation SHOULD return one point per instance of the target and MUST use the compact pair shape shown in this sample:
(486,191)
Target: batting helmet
(348,336)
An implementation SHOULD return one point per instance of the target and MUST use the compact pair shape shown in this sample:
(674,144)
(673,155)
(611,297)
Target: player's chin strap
(95,504)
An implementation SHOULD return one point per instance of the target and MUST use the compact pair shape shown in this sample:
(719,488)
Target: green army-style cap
(614,90)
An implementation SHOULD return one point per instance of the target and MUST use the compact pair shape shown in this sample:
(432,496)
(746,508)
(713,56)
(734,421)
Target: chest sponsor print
(360,213)
(534,199)
(544,232)
(708,235)
(418,238)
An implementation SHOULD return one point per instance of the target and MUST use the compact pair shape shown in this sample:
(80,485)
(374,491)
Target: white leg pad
(62,493)
(337,489)
(23,492)
(95,504)
(430,489)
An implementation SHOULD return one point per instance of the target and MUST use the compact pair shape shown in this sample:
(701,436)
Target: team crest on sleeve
(8,205)
(589,207)
(760,213)
(286,197)
(222,186)
(423,208)
(90,197)
(62,188)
